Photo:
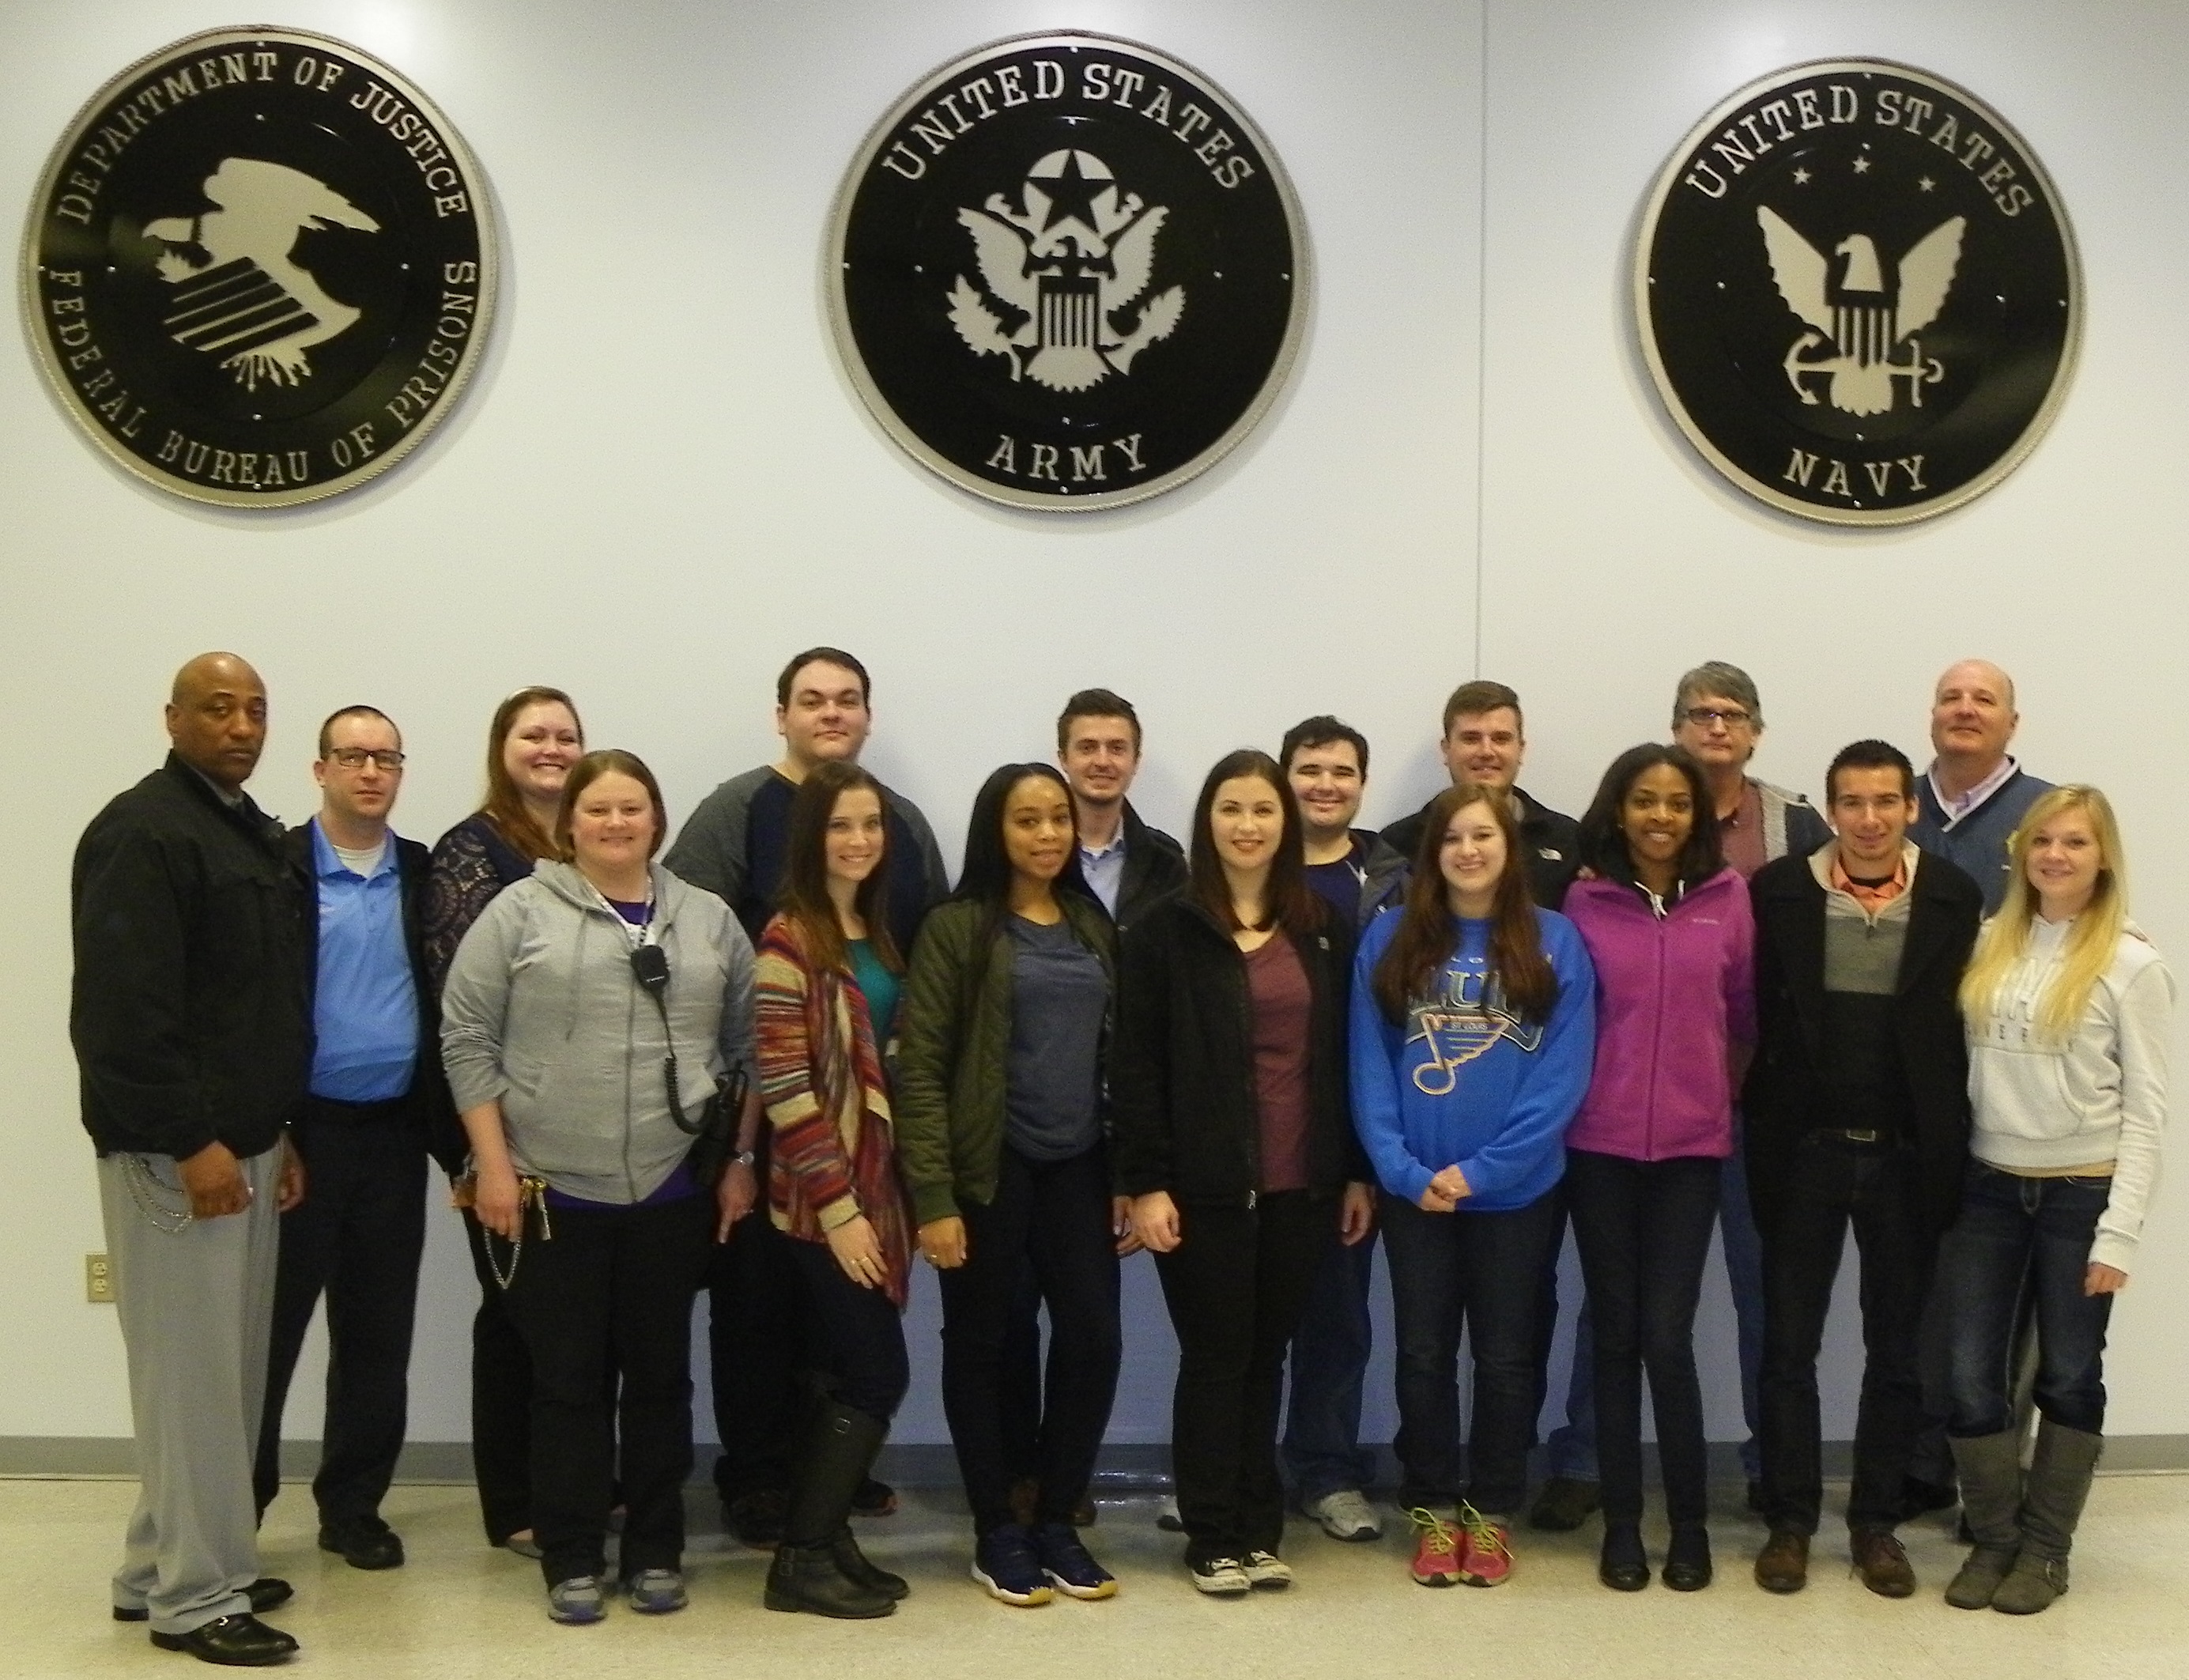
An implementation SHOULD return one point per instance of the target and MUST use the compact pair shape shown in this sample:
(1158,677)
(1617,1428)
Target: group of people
(779,1061)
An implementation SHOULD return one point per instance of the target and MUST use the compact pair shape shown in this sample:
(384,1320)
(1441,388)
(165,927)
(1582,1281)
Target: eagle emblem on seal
(1063,295)
(1862,322)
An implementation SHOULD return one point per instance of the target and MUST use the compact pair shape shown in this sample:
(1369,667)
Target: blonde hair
(2090,944)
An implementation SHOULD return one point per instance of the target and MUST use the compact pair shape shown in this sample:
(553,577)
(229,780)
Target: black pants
(610,1296)
(501,1398)
(357,1237)
(1052,1217)
(1645,1230)
(757,1350)
(858,1333)
(1482,1271)
(1833,1186)
(1235,1287)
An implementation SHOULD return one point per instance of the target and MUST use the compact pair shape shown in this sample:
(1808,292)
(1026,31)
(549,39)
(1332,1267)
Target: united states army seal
(259,268)
(1067,271)
(1857,293)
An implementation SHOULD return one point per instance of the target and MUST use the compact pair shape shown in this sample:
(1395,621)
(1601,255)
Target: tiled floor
(459,1609)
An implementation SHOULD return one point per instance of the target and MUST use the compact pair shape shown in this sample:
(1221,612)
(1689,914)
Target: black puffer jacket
(189,1010)
(1184,1115)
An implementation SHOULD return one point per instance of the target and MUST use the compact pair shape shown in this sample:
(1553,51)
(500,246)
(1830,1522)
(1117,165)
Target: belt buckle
(1853,1136)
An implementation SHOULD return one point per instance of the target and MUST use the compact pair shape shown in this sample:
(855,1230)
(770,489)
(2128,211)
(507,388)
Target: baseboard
(1122,1468)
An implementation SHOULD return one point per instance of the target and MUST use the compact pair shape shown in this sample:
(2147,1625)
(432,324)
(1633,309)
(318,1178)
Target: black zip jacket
(1155,870)
(187,1008)
(427,1104)
(1184,1115)
(1784,1095)
(1551,841)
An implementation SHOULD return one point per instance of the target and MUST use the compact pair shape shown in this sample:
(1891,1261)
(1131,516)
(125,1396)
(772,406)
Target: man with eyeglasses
(374,1107)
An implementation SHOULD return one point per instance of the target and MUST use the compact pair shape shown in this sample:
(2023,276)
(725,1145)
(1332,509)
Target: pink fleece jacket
(1676,1003)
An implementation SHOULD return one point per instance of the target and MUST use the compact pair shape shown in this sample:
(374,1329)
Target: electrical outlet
(98,1281)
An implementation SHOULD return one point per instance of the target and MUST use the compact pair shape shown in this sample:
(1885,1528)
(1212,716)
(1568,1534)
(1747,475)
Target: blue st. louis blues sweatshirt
(1461,1081)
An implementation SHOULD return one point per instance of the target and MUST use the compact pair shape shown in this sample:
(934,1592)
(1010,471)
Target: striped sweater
(833,1157)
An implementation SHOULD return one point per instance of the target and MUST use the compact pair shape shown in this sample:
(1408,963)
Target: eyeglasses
(1703,717)
(353,758)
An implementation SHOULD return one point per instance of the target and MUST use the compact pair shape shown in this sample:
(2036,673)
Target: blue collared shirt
(1105,871)
(365,1008)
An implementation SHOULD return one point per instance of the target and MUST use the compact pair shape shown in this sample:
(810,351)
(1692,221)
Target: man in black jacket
(376,1101)
(1484,741)
(1858,1114)
(1128,865)
(192,1038)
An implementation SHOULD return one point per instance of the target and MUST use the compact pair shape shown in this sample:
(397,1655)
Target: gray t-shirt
(1052,1087)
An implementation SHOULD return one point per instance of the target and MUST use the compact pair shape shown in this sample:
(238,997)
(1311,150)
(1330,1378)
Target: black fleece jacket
(1184,1114)
(189,1009)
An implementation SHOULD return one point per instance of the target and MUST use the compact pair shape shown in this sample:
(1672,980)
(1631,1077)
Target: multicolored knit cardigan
(833,1154)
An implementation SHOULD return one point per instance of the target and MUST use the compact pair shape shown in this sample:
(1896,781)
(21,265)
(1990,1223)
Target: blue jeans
(1330,1360)
(1484,1270)
(2013,1229)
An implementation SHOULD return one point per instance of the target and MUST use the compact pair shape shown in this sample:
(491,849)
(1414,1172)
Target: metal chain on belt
(145,1190)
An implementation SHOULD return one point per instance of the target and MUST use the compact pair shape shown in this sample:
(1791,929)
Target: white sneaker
(1345,1514)
(1222,1577)
(1265,1571)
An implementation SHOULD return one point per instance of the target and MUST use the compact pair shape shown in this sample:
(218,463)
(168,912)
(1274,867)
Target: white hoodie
(2101,1096)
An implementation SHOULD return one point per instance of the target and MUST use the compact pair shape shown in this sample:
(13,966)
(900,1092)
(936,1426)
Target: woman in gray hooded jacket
(561,1066)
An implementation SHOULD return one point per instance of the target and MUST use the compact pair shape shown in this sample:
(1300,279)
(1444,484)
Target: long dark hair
(985,880)
(1427,937)
(504,806)
(1288,902)
(804,897)
(1604,845)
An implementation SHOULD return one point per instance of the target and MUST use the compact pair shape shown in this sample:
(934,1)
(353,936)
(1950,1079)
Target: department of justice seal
(1066,272)
(1857,293)
(259,266)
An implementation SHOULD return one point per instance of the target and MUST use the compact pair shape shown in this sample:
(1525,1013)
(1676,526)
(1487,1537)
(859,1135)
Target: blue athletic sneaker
(1007,1564)
(1069,1564)
(656,1591)
(577,1601)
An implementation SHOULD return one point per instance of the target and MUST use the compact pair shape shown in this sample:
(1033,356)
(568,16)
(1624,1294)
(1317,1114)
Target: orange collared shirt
(1871,898)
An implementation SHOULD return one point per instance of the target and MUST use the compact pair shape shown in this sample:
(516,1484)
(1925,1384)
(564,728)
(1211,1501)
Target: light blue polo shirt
(364,1010)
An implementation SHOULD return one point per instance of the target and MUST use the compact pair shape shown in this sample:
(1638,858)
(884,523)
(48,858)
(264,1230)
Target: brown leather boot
(1783,1564)
(1881,1561)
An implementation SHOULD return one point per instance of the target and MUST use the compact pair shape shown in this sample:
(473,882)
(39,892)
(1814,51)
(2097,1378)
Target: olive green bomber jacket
(954,1052)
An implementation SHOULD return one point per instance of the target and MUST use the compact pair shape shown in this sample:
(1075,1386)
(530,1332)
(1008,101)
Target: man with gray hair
(1972,798)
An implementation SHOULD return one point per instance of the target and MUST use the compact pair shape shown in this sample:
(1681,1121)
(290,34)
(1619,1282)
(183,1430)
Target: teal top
(880,986)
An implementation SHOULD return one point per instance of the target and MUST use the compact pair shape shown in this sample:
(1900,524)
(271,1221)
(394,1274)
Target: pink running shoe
(1486,1547)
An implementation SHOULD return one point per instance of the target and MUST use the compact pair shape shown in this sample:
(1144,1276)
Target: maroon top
(1277,992)
(1740,836)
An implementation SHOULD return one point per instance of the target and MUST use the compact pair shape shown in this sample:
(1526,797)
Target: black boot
(805,1575)
(856,1566)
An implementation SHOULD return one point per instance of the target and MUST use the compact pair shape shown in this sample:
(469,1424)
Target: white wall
(662,485)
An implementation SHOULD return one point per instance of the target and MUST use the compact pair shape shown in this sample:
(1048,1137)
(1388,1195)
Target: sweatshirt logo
(1461,1024)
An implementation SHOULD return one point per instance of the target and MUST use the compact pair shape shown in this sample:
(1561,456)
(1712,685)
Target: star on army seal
(1066,272)
(1857,293)
(259,266)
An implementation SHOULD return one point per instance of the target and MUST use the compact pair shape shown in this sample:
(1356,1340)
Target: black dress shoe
(364,1546)
(1624,1566)
(265,1593)
(232,1641)
(1687,1558)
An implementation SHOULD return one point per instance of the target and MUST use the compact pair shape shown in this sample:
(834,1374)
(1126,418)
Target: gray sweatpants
(197,1311)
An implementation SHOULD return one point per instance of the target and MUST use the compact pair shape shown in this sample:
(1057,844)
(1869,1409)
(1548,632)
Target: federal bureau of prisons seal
(1857,293)
(259,266)
(1067,271)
